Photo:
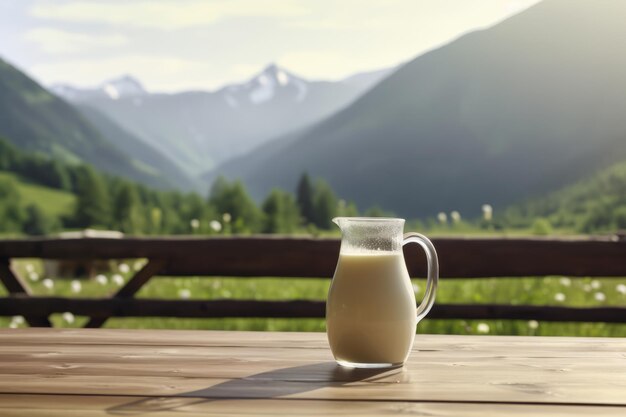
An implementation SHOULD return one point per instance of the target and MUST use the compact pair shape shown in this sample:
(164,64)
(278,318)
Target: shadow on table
(266,385)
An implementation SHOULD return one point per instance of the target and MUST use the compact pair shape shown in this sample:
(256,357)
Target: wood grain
(88,406)
(93,372)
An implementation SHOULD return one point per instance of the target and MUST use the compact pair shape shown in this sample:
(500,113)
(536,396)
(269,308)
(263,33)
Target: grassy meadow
(555,290)
(53,202)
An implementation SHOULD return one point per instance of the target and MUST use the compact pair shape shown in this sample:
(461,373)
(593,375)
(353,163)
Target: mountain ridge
(198,129)
(496,116)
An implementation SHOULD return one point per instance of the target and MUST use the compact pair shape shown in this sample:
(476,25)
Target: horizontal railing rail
(297,257)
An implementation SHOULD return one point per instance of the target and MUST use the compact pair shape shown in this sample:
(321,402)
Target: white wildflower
(48,283)
(13,325)
(215,225)
(482,328)
(184,293)
(124,268)
(565,281)
(137,265)
(18,319)
(559,296)
(118,280)
(599,296)
(76,286)
(101,279)
(442,217)
(487,212)
(455,216)
(195,223)
(68,317)
(621,288)
(33,276)
(595,284)
(29,268)
(226,217)
(587,288)
(533,324)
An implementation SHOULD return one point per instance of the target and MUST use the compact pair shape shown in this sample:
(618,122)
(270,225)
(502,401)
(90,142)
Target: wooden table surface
(57,372)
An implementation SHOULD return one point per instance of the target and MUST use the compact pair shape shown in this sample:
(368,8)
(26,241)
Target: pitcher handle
(433,271)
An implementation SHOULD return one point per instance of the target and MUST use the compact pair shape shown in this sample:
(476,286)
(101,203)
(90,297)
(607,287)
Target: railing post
(15,285)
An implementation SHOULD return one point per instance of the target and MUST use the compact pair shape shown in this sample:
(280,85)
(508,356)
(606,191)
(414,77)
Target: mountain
(368,79)
(496,116)
(125,86)
(199,129)
(35,120)
(150,159)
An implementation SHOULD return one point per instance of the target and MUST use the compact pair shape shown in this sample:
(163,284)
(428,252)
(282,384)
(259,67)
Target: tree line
(109,202)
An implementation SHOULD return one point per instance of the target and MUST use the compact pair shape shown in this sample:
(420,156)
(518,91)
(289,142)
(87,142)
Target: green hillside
(596,204)
(35,120)
(53,202)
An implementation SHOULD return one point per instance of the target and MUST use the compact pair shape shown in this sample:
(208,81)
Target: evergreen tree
(58,176)
(325,205)
(127,209)
(305,197)
(37,222)
(92,204)
(281,212)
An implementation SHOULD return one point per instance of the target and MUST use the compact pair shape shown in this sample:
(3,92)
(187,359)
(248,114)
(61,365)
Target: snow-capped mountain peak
(114,89)
(125,86)
(266,86)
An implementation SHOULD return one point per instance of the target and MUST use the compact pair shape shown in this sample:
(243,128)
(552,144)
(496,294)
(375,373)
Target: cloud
(56,41)
(163,14)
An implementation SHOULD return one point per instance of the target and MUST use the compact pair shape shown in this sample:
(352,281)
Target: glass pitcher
(371,314)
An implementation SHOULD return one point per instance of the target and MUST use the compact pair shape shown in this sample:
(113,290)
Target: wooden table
(205,373)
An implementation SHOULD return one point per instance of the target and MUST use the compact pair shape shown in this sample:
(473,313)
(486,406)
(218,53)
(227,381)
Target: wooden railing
(265,256)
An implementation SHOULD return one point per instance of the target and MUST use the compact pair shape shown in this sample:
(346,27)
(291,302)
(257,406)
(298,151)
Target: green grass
(581,292)
(53,202)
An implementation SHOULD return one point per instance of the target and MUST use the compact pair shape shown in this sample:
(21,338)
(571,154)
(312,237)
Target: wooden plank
(458,369)
(489,381)
(313,346)
(312,257)
(100,309)
(305,340)
(79,405)
(16,286)
(197,362)
(154,266)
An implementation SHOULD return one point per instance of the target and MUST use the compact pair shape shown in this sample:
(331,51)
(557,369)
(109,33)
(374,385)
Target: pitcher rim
(369,219)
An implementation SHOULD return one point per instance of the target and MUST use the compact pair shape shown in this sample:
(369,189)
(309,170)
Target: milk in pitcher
(371,310)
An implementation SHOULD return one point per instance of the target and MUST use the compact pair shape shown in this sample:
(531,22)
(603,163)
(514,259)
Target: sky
(175,45)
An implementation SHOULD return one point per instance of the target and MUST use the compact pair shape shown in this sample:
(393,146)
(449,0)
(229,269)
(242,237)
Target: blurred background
(242,117)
